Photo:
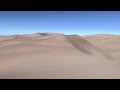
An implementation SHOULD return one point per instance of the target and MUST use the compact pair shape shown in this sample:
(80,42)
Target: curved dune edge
(84,46)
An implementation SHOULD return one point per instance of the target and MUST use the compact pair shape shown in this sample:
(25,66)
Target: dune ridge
(107,42)
(83,45)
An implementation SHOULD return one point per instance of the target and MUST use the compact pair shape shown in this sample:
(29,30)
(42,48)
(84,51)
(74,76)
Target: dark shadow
(79,44)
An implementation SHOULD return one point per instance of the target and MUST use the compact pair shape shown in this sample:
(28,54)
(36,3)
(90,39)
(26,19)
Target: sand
(107,42)
(59,56)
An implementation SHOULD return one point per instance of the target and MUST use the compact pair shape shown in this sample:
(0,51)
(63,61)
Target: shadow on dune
(79,43)
(84,46)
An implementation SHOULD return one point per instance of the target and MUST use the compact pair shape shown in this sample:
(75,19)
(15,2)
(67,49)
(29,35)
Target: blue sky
(67,22)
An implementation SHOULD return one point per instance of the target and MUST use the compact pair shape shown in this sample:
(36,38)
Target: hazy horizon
(66,22)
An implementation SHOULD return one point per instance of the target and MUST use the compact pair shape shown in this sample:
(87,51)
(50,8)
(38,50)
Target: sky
(66,22)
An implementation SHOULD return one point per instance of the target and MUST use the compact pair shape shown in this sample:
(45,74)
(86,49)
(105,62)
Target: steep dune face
(84,46)
(54,55)
(107,42)
(79,43)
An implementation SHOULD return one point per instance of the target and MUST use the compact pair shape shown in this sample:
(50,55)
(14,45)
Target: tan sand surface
(59,56)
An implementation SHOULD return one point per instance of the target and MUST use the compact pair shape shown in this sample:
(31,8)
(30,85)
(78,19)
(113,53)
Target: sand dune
(86,47)
(54,55)
(107,42)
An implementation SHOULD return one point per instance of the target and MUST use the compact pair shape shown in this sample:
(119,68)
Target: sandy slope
(107,42)
(53,55)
